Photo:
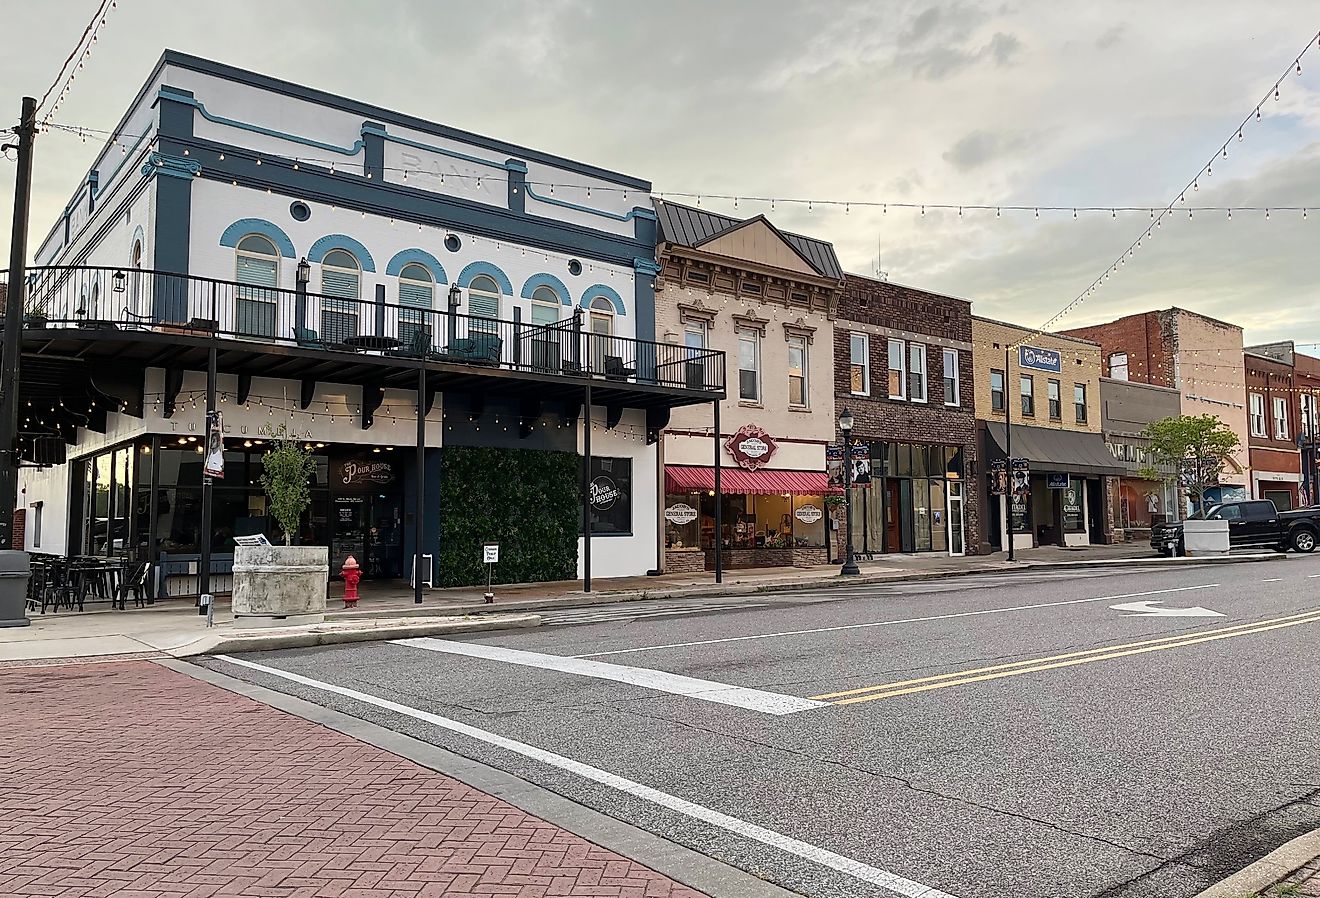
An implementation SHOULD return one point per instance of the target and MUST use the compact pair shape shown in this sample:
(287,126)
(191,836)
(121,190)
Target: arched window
(545,306)
(417,299)
(341,285)
(135,278)
(483,302)
(600,322)
(258,270)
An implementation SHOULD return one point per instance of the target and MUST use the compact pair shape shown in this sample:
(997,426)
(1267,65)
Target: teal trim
(344,242)
(421,257)
(637,212)
(475,269)
(646,266)
(178,96)
(244,226)
(598,290)
(547,280)
(171,166)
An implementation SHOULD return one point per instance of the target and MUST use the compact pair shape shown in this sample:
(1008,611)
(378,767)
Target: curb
(217,643)
(680,863)
(1267,871)
(828,582)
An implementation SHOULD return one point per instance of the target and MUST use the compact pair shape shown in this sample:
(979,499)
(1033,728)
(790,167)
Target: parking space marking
(659,680)
(891,882)
(891,623)
(1053,662)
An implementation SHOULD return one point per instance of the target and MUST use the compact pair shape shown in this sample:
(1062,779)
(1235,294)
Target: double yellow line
(1053,662)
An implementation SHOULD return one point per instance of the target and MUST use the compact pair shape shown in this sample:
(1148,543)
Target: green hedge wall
(526,500)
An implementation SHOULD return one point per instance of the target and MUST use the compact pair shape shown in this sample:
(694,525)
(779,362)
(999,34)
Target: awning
(680,478)
(1064,451)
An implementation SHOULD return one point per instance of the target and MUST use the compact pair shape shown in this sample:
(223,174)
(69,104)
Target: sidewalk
(387,611)
(132,780)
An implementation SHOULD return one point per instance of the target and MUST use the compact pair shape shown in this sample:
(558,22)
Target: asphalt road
(983,737)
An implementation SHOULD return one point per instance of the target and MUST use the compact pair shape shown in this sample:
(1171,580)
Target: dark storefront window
(611,495)
(103,504)
(1074,521)
(906,507)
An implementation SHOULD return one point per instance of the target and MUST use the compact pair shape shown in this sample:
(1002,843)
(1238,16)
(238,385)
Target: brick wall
(885,311)
(1148,343)
(1271,379)
(19,540)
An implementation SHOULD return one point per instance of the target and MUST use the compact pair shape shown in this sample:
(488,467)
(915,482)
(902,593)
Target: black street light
(304,272)
(846,426)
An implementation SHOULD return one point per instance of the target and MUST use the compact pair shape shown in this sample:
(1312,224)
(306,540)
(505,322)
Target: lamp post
(1008,450)
(845,427)
(303,275)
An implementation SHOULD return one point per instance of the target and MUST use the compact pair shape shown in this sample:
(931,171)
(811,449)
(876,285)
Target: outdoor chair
(134,580)
(616,370)
(417,347)
(479,349)
(307,338)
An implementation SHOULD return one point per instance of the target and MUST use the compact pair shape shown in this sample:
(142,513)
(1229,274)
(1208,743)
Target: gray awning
(1065,451)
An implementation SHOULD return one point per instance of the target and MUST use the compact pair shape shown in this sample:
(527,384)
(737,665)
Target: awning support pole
(586,489)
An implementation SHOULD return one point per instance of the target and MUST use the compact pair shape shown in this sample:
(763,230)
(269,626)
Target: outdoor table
(373,342)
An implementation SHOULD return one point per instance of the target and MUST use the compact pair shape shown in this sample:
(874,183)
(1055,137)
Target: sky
(1012,103)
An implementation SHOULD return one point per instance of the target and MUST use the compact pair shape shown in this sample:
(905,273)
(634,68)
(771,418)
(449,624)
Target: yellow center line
(997,671)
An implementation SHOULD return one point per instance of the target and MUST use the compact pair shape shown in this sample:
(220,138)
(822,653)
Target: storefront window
(1073,519)
(682,520)
(611,495)
(921,510)
(775,521)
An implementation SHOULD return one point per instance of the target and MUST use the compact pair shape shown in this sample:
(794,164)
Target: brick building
(1064,483)
(904,370)
(1199,356)
(1275,409)
(766,298)
(1127,407)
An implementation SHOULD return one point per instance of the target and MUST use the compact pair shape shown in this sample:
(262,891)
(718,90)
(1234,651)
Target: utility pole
(14,568)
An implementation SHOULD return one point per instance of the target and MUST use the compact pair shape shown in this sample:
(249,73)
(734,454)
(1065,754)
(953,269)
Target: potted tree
(283,585)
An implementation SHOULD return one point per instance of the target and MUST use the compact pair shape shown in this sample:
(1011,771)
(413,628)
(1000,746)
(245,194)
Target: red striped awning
(680,478)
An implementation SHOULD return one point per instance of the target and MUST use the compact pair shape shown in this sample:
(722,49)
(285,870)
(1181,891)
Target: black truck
(1251,524)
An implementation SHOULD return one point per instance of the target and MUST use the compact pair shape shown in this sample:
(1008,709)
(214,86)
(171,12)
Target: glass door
(955,515)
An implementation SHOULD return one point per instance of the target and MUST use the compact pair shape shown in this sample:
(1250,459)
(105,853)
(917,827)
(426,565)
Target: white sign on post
(490,553)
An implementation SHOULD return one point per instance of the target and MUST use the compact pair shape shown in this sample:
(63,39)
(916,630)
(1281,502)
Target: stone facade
(886,313)
(684,561)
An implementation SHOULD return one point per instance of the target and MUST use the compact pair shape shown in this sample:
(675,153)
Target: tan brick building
(767,299)
(1064,483)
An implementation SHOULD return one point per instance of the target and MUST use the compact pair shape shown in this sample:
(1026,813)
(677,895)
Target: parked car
(1253,524)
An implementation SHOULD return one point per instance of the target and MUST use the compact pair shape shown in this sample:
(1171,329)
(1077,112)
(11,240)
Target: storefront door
(893,515)
(956,534)
(384,538)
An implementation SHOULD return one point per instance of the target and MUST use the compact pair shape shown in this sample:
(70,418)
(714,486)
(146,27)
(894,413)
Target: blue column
(517,170)
(645,272)
(174,176)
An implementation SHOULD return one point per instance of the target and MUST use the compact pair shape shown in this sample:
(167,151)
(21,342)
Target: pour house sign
(751,447)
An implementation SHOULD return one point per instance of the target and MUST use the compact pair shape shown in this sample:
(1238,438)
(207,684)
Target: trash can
(15,569)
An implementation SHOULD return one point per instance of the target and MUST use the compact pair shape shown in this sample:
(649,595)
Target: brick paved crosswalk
(131,780)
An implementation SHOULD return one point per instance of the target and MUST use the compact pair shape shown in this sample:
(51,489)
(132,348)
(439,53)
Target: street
(976,737)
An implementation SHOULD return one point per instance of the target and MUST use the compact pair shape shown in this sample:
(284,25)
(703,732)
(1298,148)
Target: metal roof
(689,226)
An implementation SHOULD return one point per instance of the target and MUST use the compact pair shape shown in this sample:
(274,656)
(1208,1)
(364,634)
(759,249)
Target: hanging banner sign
(214,465)
(1021,479)
(1039,359)
(999,477)
(861,465)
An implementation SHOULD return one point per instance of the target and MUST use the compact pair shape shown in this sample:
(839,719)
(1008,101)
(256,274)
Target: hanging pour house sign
(751,447)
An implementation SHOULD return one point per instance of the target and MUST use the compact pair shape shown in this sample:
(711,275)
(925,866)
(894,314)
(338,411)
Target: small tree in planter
(283,584)
(286,477)
(1190,450)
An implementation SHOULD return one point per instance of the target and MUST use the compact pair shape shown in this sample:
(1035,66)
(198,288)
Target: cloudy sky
(1003,102)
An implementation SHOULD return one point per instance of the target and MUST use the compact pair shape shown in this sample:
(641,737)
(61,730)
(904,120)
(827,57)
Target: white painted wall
(49,486)
(216,206)
(627,556)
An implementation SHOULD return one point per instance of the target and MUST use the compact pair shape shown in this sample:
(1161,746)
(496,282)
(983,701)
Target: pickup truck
(1251,524)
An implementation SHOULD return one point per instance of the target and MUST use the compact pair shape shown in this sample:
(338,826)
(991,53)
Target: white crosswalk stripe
(637,611)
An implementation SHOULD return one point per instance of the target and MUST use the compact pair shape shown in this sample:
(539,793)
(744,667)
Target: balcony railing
(91,298)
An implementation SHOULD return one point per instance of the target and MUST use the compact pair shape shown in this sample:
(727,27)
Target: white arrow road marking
(1148,608)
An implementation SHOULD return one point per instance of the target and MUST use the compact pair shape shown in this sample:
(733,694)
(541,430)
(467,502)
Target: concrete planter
(1205,537)
(280,585)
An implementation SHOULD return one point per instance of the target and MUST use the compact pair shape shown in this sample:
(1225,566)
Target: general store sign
(1039,359)
(680,513)
(751,447)
(808,514)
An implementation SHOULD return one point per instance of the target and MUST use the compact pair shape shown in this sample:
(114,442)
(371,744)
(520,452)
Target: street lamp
(846,426)
(304,272)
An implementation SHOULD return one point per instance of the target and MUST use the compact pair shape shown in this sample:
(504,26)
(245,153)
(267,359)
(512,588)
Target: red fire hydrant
(351,574)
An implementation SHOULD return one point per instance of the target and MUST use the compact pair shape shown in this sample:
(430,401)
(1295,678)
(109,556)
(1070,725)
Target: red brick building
(1272,424)
(903,367)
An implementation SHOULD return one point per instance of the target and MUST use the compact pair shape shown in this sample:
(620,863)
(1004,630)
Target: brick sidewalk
(128,779)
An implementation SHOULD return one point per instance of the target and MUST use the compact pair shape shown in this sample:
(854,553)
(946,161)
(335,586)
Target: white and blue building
(363,278)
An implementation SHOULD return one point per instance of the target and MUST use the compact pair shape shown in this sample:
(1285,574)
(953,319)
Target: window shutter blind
(256,272)
(418,295)
(339,284)
(480,306)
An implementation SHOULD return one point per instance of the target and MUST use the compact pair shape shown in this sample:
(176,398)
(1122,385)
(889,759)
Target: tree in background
(1190,450)
(286,477)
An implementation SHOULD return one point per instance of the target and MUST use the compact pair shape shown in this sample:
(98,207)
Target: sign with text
(751,447)
(1040,359)
(680,513)
(214,465)
(861,465)
(1056,481)
(490,553)
(808,514)
(610,495)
